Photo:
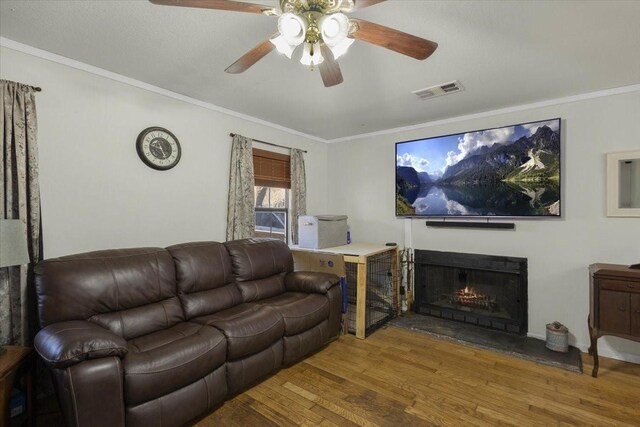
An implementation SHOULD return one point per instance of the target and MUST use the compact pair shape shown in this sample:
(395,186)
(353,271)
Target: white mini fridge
(322,231)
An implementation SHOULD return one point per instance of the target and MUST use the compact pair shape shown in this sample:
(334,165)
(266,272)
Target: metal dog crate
(373,285)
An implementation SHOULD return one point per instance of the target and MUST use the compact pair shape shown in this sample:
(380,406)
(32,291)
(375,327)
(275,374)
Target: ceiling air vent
(439,90)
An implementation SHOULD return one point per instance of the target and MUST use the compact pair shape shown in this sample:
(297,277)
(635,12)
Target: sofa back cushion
(131,292)
(259,267)
(205,278)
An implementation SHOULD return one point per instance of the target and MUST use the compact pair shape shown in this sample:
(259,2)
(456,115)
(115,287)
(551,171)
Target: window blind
(271,169)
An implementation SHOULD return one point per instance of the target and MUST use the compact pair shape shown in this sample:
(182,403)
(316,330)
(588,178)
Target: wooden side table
(614,305)
(10,363)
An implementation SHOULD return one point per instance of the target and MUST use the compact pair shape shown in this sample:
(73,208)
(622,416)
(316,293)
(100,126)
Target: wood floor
(402,378)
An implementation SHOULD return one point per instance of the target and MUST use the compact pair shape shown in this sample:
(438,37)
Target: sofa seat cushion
(298,346)
(164,361)
(249,328)
(243,373)
(300,311)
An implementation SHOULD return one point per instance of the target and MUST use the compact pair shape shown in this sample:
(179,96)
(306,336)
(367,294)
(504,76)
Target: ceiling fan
(322,27)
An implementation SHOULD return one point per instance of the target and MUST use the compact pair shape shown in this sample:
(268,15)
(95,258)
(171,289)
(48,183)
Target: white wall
(362,185)
(95,191)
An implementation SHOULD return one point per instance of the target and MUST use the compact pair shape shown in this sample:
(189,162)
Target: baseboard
(603,350)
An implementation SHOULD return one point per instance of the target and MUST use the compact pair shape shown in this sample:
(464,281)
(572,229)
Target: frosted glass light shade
(331,28)
(334,28)
(341,48)
(311,55)
(282,46)
(292,28)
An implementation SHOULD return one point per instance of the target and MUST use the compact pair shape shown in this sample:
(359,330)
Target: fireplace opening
(485,290)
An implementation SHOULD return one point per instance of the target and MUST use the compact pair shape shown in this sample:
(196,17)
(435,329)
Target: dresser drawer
(619,285)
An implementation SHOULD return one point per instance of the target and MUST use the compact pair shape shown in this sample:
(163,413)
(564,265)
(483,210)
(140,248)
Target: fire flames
(468,296)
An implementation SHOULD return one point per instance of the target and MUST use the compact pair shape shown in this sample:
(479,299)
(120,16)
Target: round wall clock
(158,148)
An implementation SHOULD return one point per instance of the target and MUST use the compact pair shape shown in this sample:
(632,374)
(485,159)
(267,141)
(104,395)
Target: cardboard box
(321,262)
(322,231)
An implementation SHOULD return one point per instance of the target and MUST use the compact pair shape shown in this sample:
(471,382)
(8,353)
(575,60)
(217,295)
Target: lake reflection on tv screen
(497,199)
(509,171)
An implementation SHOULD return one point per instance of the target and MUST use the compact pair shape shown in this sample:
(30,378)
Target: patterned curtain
(241,212)
(19,199)
(298,191)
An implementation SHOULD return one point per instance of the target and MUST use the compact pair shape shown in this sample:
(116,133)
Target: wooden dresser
(614,305)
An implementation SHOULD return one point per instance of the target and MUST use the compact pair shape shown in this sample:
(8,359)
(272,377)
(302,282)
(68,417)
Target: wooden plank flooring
(402,378)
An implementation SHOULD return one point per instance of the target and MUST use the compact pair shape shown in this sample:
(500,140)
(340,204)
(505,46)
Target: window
(272,212)
(272,183)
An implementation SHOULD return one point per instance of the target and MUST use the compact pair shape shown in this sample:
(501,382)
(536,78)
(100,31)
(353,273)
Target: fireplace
(484,290)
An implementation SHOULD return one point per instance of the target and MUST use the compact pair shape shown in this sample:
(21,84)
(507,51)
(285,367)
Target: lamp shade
(341,48)
(311,55)
(334,28)
(13,243)
(282,46)
(292,28)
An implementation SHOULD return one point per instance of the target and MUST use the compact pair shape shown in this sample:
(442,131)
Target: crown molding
(522,107)
(49,56)
(30,50)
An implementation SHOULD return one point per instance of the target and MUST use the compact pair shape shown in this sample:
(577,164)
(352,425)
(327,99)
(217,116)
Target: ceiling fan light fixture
(292,28)
(282,46)
(323,29)
(311,55)
(341,48)
(334,28)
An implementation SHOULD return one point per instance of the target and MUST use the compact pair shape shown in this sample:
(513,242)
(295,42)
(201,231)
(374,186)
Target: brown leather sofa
(160,337)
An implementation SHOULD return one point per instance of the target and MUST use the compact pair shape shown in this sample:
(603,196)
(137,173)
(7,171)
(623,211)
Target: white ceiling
(505,53)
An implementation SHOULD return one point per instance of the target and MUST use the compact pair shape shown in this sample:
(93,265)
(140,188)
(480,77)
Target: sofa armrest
(67,343)
(310,282)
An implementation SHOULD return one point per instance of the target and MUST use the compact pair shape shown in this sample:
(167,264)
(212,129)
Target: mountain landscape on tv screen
(516,176)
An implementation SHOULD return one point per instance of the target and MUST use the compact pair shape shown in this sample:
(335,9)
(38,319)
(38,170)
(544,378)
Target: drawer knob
(630,286)
(621,309)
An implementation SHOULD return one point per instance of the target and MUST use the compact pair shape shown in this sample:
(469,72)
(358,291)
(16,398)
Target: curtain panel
(19,199)
(298,191)
(241,212)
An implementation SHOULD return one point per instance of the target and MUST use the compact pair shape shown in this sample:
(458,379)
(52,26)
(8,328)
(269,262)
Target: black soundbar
(469,224)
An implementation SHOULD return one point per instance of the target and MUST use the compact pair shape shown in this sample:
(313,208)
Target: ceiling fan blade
(395,40)
(329,68)
(233,6)
(361,4)
(251,57)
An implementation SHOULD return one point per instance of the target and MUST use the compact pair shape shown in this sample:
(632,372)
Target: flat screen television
(511,171)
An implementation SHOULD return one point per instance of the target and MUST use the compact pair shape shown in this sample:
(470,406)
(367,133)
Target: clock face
(158,148)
